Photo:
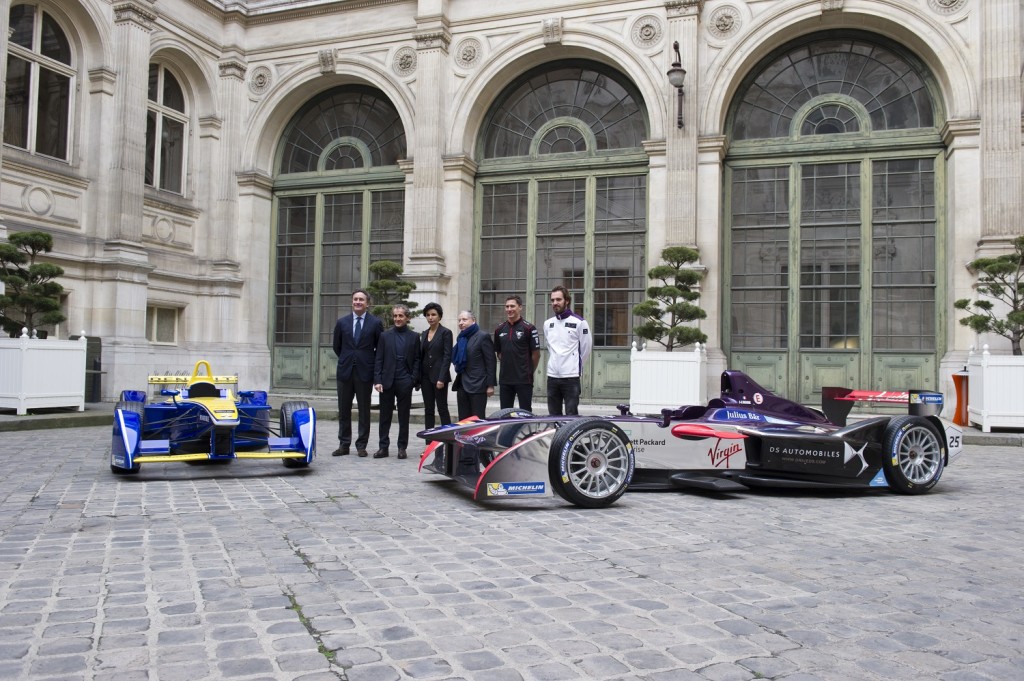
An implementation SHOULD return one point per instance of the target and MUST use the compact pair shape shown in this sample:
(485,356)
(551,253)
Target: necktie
(359,329)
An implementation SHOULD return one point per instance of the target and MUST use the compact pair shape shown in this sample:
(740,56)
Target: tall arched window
(340,201)
(166,131)
(40,83)
(834,170)
(562,197)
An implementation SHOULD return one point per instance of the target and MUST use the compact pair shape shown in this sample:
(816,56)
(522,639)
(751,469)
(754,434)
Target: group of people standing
(397,361)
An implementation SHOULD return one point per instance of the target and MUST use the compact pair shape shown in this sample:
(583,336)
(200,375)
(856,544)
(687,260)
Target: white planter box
(666,380)
(42,373)
(995,390)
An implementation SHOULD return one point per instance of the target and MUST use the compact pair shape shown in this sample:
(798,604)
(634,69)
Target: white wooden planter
(38,373)
(995,390)
(666,380)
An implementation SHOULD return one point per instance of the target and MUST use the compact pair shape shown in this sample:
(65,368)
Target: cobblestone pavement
(363,569)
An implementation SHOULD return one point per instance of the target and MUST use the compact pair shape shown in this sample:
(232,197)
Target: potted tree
(993,393)
(389,289)
(666,380)
(35,372)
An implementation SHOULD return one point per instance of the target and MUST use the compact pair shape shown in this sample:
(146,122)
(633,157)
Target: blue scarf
(459,357)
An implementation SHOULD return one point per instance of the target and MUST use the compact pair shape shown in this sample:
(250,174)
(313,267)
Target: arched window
(340,200)
(834,173)
(40,79)
(562,197)
(166,131)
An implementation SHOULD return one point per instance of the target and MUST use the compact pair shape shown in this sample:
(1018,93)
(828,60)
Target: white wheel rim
(919,455)
(598,464)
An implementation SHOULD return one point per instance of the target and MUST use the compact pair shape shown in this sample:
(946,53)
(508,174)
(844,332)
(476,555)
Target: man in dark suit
(355,343)
(474,363)
(395,373)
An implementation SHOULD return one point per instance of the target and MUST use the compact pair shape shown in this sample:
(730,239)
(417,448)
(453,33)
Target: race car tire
(512,434)
(288,409)
(914,454)
(590,462)
(139,409)
(510,413)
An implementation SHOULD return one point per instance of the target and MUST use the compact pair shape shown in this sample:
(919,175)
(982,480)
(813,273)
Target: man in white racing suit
(569,342)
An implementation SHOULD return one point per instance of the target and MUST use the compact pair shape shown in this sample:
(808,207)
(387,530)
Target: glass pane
(561,140)
(503,262)
(19,79)
(52,114)
(830,242)
(54,42)
(345,157)
(903,255)
(172,153)
(341,257)
(760,258)
(561,238)
(620,275)
(296,234)
(151,119)
(174,98)
(387,225)
(153,90)
(22,19)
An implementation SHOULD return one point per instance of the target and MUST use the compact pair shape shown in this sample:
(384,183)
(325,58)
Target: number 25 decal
(954,441)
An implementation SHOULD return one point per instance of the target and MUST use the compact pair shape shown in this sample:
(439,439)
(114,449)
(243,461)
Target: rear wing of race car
(201,382)
(837,403)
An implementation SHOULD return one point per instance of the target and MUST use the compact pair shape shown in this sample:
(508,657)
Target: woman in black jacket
(435,358)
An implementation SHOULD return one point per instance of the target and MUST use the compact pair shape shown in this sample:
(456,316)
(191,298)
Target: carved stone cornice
(101,81)
(684,8)
(232,68)
(135,12)
(435,39)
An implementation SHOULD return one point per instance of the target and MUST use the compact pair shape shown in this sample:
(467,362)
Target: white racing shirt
(569,343)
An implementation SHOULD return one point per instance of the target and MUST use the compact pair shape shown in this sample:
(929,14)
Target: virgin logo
(720,455)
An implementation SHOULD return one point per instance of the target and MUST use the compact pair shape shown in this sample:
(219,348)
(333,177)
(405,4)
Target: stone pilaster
(224,226)
(432,42)
(681,143)
(1002,202)
(5,34)
(133,23)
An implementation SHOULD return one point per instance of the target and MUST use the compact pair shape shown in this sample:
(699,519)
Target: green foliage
(669,307)
(1002,279)
(388,289)
(31,298)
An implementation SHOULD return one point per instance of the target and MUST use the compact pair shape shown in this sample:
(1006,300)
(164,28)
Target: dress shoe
(380,454)
(402,454)
(340,451)
(361,452)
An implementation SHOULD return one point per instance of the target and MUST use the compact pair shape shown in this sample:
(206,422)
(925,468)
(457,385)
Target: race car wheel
(287,410)
(590,462)
(139,409)
(510,413)
(914,455)
(510,434)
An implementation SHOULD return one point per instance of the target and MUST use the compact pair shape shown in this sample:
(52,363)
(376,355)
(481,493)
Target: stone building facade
(217,175)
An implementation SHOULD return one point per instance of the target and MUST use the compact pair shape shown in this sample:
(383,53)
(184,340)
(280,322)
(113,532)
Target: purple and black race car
(746,438)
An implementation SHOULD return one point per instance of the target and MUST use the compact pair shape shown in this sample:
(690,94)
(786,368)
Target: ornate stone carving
(467,54)
(946,6)
(647,31)
(260,80)
(725,22)
(684,8)
(232,68)
(327,62)
(136,12)
(552,30)
(433,40)
(404,63)
(831,5)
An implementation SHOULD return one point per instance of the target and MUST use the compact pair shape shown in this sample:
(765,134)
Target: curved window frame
(160,120)
(38,65)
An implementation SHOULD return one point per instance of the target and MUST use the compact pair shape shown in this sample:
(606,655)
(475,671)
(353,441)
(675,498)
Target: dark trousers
(432,395)
(564,390)
(400,393)
(472,404)
(511,391)
(361,391)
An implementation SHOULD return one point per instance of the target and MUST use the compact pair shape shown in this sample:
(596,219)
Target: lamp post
(677,78)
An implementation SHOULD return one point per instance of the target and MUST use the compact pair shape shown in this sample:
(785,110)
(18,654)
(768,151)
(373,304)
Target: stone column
(224,225)
(5,34)
(133,22)
(681,150)
(1002,160)
(432,41)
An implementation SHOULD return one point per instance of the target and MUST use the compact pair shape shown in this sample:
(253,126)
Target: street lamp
(677,77)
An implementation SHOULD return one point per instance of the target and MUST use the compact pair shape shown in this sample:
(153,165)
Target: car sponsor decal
(879,480)
(508,489)
(818,456)
(734,414)
(719,455)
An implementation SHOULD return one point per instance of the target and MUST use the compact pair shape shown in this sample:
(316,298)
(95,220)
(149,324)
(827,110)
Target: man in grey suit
(474,363)
(395,373)
(355,343)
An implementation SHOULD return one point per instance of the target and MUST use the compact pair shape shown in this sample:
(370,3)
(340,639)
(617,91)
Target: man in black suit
(395,373)
(355,343)
(474,363)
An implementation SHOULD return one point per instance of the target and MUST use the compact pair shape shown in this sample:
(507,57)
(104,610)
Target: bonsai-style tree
(31,298)
(1000,278)
(669,308)
(389,289)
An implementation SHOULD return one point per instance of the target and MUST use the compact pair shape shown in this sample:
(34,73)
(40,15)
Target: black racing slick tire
(510,413)
(288,410)
(590,462)
(511,434)
(914,454)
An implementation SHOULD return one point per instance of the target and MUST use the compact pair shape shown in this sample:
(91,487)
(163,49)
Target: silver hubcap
(919,455)
(598,464)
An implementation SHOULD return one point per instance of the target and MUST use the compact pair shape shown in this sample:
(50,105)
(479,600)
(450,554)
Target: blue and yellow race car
(200,421)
